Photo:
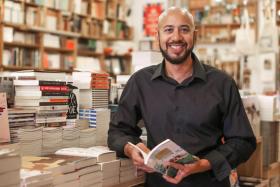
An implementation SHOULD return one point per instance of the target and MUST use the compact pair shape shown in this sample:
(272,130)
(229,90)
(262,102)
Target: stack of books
(62,170)
(52,140)
(10,167)
(99,119)
(127,170)
(110,172)
(92,176)
(30,141)
(87,137)
(29,178)
(70,136)
(49,98)
(20,119)
(94,91)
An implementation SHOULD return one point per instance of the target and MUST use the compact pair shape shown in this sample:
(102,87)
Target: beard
(176,60)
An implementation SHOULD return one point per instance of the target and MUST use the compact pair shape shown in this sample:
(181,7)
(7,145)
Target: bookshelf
(216,23)
(59,32)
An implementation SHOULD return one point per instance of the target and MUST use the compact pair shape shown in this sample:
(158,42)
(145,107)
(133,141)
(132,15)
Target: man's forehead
(171,18)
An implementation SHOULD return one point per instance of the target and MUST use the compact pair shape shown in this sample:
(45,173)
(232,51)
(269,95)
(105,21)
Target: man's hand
(185,170)
(136,157)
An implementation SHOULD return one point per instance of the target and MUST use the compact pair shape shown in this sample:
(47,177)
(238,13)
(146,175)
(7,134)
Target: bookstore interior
(65,63)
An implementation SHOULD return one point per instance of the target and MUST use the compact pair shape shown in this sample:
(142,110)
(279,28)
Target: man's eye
(185,30)
(169,30)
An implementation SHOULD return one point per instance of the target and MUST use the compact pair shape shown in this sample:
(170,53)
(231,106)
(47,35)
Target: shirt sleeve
(123,126)
(240,141)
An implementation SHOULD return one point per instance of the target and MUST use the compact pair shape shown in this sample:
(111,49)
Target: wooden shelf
(33,4)
(18,44)
(119,56)
(16,68)
(57,32)
(90,37)
(219,25)
(88,53)
(59,50)
(90,29)
(214,43)
(57,70)
(117,39)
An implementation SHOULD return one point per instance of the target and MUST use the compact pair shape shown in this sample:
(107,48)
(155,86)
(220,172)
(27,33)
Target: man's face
(176,37)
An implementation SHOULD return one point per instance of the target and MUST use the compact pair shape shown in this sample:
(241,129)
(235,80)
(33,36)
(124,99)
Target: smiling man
(191,103)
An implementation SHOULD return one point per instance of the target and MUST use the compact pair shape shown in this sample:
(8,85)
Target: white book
(8,34)
(166,151)
(28,176)
(102,154)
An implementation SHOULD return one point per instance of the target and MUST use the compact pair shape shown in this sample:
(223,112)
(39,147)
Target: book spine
(54,88)
(51,83)
(57,100)
(99,75)
(47,93)
(100,87)
(52,103)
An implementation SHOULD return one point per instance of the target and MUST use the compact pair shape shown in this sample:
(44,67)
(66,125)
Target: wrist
(203,165)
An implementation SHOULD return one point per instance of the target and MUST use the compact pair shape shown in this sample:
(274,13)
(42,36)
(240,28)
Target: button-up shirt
(196,114)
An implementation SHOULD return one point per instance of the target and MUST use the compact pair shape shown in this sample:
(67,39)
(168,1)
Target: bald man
(191,103)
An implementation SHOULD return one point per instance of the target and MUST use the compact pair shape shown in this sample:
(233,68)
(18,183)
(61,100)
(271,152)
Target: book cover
(166,151)
(101,153)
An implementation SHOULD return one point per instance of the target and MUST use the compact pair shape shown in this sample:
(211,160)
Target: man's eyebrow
(168,26)
(189,26)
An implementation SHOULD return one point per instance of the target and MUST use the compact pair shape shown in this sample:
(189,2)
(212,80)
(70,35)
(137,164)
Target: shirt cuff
(123,141)
(220,166)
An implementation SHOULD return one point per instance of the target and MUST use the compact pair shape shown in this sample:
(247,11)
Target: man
(193,104)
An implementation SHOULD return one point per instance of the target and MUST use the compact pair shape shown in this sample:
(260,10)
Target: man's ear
(156,35)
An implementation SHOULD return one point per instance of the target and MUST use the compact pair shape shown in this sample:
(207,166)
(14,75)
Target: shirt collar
(198,69)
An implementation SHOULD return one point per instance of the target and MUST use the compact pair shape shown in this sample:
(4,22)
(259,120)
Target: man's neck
(179,72)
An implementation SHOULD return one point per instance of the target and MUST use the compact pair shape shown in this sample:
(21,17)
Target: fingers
(145,169)
(176,165)
(176,179)
(138,161)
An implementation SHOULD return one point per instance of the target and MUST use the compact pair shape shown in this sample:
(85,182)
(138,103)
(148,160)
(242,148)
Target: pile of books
(20,119)
(87,137)
(94,89)
(99,119)
(110,172)
(70,136)
(128,171)
(29,178)
(62,170)
(106,173)
(52,140)
(10,167)
(30,141)
(49,98)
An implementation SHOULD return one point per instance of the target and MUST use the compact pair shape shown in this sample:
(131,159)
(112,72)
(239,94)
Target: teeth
(176,46)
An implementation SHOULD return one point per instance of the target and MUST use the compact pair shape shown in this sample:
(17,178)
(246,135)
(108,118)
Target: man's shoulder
(215,72)
(146,71)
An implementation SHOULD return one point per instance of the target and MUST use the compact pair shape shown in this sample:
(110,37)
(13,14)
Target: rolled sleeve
(219,164)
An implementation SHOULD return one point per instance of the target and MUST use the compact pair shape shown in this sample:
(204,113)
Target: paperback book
(166,151)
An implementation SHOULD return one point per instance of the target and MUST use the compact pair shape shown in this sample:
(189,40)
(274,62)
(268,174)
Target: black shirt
(195,114)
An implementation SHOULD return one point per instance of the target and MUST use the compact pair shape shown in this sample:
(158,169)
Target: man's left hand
(185,170)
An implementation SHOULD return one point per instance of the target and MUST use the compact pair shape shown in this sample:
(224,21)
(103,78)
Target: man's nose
(177,35)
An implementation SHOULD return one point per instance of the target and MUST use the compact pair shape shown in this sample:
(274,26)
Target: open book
(166,151)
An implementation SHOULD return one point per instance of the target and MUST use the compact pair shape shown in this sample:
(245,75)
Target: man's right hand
(136,157)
